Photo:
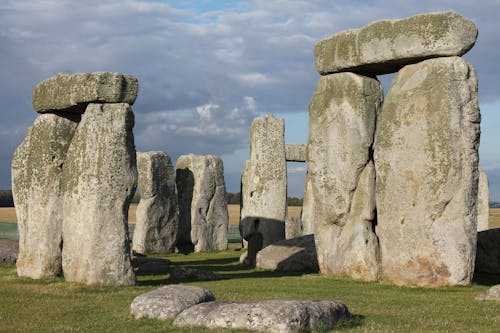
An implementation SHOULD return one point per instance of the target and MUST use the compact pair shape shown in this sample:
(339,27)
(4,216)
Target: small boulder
(148,266)
(189,273)
(8,251)
(492,294)
(168,301)
(488,251)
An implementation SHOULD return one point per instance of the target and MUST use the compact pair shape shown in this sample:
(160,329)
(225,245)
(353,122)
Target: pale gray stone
(190,273)
(340,197)
(488,251)
(492,294)
(264,182)
(291,255)
(295,152)
(156,215)
(426,160)
(385,46)
(203,215)
(73,92)
(307,208)
(168,301)
(37,168)
(483,202)
(9,250)
(98,182)
(275,316)
(293,227)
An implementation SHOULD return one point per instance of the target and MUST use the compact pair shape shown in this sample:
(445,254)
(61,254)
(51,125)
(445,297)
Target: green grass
(53,305)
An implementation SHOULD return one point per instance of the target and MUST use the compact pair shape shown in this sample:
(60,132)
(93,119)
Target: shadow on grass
(485,279)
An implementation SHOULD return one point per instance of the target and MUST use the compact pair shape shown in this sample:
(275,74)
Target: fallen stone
(98,182)
(73,92)
(295,152)
(386,46)
(190,273)
(292,255)
(150,266)
(201,193)
(488,251)
(426,159)
(340,182)
(492,294)
(168,301)
(280,316)
(483,202)
(156,215)
(9,250)
(37,168)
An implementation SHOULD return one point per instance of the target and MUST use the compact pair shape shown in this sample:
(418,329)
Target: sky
(207,68)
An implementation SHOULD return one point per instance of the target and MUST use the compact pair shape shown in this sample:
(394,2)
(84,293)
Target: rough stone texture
(426,159)
(488,251)
(98,182)
(492,294)
(168,301)
(36,186)
(341,178)
(293,227)
(307,208)
(264,181)
(280,316)
(189,273)
(483,202)
(73,92)
(385,46)
(203,215)
(292,255)
(150,266)
(156,215)
(295,152)
(9,250)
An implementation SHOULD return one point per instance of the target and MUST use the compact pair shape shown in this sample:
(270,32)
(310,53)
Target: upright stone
(426,160)
(156,215)
(36,186)
(203,216)
(483,202)
(264,182)
(340,178)
(307,209)
(385,46)
(99,180)
(73,92)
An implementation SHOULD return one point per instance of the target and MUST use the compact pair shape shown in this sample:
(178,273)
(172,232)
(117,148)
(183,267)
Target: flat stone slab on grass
(492,294)
(8,251)
(189,273)
(265,316)
(168,301)
(73,92)
(385,46)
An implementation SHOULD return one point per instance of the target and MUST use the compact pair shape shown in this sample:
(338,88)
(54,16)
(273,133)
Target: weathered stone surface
(426,160)
(190,273)
(9,250)
(385,46)
(483,202)
(340,179)
(201,192)
(72,92)
(156,215)
(98,182)
(488,251)
(295,152)
(147,266)
(292,255)
(168,301)
(293,227)
(492,294)
(264,181)
(280,316)
(307,208)
(36,186)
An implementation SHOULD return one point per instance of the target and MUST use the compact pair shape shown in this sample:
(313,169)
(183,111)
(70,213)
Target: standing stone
(203,216)
(264,182)
(426,159)
(340,174)
(483,202)
(307,209)
(385,46)
(156,215)
(36,186)
(99,180)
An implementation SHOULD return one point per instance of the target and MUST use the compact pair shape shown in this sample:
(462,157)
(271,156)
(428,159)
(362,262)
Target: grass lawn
(53,305)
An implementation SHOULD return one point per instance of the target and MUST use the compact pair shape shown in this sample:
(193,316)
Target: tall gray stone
(340,176)
(483,202)
(73,92)
(426,160)
(36,186)
(264,182)
(156,215)
(201,192)
(385,46)
(307,208)
(98,182)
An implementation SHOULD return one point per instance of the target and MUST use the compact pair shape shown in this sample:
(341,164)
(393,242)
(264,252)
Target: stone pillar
(483,202)
(156,215)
